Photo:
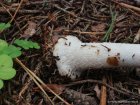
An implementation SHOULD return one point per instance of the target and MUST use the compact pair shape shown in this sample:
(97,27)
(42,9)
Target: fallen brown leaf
(57,32)
(51,17)
(137,37)
(99,27)
(98,92)
(54,87)
(30,31)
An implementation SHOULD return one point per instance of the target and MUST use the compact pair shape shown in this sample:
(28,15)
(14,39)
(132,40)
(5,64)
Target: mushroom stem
(73,56)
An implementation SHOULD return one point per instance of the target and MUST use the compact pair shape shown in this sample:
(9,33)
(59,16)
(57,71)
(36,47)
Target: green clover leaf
(6,50)
(6,61)
(17,41)
(22,43)
(2,44)
(7,25)
(6,70)
(12,51)
(27,44)
(7,73)
(31,44)
(36,46)
(3,25)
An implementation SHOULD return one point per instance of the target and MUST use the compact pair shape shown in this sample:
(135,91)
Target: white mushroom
(73,56)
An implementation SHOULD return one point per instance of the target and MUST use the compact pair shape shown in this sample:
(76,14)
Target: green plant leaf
(31,44)
(22,43)
(2,44)
(36,45)
(1,84)
(12,51)
(14,48)
(27,44)
(2,25)
(6,50)
(7,73)
(15,54)
(17,41)
(6,61)
(1,28)
(7,25)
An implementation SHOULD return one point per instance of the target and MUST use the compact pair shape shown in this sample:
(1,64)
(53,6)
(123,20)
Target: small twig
(103,92)
(102,3)
(130,6)
(32,75)
(135,81)
(20,11)
(78,31)
(12,16)
(28,71)
(100,82)
(48,87)
(79,98)
(64,10)
(82,7)
(39,2)
(121,87)
(15,12)
(125,7)
(19,31)
(29,80)
(78,20)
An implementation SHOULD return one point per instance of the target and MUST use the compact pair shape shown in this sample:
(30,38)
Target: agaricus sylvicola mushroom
(73,56)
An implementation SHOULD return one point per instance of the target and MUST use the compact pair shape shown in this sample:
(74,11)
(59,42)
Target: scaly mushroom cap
(73,56)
